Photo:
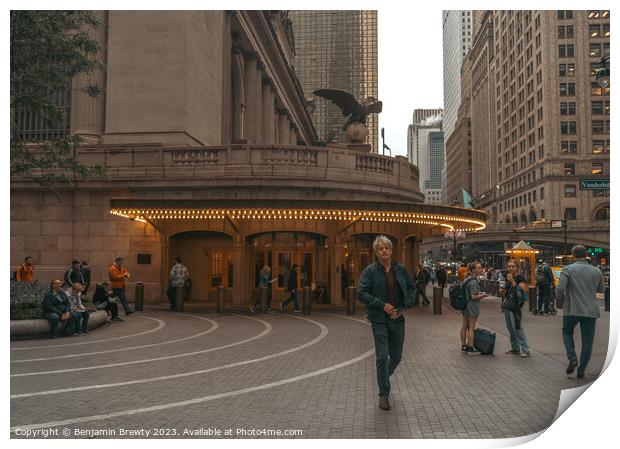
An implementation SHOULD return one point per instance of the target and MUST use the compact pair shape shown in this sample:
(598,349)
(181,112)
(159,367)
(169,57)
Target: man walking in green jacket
(386,289)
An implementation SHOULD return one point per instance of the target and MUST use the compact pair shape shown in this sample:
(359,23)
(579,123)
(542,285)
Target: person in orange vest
(462,272)
(118,274)
(24,271)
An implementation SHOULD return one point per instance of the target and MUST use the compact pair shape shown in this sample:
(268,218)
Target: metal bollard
(264,299)
(220,299)
(533,300)
(139,297)
(350,294)
(607,299)
(180,299)
(306,301)
(437,299)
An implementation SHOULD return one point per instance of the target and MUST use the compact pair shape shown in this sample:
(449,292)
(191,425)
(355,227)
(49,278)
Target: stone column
(283,128)
(336,255)
(238,96)
(88,113)
(251,87)
(268,113)
(239,272)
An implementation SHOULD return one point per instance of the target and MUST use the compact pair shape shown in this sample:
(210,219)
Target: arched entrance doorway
(209,259)
(358,254)
(280,251)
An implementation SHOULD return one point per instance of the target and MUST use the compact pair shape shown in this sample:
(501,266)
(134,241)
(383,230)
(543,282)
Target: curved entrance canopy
(449,218)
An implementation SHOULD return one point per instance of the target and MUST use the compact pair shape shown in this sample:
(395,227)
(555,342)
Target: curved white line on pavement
(160,326)
(213,327)
(200,400)
(266,331)
(321,336)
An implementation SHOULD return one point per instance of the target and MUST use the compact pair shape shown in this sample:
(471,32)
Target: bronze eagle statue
(349,105)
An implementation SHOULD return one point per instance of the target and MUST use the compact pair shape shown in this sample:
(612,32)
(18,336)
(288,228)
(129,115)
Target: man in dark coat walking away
(422,278)
(292,288)
(386,289)
(442,276)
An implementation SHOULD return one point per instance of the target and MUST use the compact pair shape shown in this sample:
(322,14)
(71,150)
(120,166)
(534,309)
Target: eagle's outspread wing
(341,98)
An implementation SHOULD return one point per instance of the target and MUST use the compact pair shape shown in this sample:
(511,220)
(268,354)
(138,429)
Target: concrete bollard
(264,299)
(179,296)
(437,300)
(306,307)
(350,295)
(533,299)
(139,297)
(220,299)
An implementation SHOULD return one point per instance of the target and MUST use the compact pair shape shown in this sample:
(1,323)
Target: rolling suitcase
(484,341)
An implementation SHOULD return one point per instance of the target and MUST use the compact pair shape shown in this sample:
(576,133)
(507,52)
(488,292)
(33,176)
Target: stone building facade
(210,155)
(539,121)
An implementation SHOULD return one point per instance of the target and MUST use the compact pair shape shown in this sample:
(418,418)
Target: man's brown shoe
(384,402)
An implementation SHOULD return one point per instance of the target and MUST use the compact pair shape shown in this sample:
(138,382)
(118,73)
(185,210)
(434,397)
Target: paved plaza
(234,375)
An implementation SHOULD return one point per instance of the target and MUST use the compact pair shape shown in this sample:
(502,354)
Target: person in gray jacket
(386,289)
(578,285)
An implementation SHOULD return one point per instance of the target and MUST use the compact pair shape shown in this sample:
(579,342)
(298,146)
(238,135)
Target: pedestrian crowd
(66,305)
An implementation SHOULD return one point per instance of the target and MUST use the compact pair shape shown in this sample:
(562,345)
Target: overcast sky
(410,68)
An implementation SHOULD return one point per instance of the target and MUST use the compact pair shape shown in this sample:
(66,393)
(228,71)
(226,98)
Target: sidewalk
(315,374)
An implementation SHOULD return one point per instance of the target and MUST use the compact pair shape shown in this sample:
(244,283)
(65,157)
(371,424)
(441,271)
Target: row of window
(597,168)
(598,146)
(598,127)
(596,50)
(570,190)
(568,15)
(569,90)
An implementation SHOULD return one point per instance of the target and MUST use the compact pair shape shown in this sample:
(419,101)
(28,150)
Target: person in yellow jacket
(118,274)
(24,272)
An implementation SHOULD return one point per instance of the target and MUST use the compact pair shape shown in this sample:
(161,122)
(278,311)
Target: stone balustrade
(341,168)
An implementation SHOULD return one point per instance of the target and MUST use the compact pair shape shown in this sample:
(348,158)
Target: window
(600,193)
(568,128)
(570,108)
(597,108)
(568,89)
(568,51)
(595,50)
(606,49)
(606,30)
(542,193)
(568,147)
(602,214)
(570,190)
(598,146)
(569,168)
(595,30)
(597,168)
(570,213)
(568,69)
(562,15)
(598,90)
(597,127)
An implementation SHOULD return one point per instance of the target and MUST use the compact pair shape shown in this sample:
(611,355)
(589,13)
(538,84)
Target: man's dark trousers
(544,294)
(120,292)
(587,326)
(389,338)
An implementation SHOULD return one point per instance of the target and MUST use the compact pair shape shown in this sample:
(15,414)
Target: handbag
(511,302)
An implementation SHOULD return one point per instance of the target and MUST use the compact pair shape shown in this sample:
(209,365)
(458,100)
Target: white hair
(381,239)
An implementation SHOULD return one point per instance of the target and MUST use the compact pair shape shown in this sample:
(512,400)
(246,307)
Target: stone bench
(40,328)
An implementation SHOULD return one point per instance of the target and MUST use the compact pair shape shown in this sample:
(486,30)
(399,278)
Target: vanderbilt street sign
(594,184)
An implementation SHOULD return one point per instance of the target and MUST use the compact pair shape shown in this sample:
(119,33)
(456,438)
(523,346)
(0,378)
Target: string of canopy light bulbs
(142,215)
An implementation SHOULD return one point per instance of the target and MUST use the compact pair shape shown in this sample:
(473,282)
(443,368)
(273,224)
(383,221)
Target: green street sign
(594,184)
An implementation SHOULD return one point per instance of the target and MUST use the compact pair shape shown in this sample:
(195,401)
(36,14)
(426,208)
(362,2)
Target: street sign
(594,184)
(556,223)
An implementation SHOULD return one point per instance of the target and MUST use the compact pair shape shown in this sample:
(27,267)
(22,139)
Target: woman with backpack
(514,296)
(472,310)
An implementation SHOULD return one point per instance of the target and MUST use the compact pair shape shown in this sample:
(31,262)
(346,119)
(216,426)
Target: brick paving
(311,373)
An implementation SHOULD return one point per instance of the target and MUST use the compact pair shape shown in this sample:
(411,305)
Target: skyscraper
(457,28)
(337,50)
(423,149)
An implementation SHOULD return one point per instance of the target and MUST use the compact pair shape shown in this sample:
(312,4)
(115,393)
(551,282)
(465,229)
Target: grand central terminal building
(211,155)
